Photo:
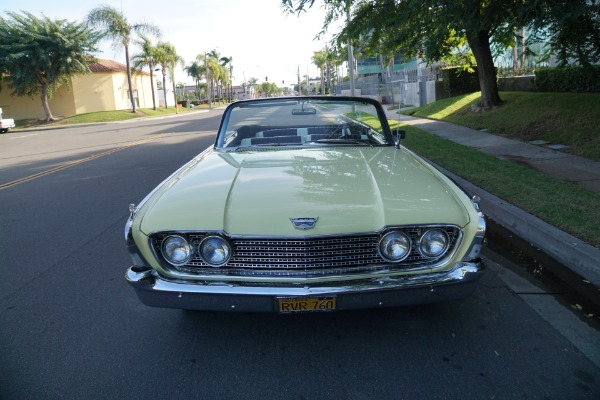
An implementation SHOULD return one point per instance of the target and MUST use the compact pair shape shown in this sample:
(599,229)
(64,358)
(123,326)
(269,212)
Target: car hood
(349,190)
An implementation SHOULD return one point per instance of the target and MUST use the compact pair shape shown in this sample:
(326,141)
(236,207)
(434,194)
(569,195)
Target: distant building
(105,89)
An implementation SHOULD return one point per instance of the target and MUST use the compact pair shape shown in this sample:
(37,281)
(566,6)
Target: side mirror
(398,136)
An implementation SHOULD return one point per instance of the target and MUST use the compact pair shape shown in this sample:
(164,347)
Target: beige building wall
(99,91)
(142,82)
(93,92)
(61,104)
(141,89)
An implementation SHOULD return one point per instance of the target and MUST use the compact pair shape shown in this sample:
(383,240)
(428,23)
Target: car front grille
(283,256)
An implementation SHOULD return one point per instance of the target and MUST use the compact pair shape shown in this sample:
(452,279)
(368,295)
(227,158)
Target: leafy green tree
(433,29)
(115,26)
(268,89)
(573,28)
(40,54)
(146,58)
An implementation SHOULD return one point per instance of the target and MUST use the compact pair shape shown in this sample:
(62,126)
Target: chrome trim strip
(381,231)
(460,273)
(474,250)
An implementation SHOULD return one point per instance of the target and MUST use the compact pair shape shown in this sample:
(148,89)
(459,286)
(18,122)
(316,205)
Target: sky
(263,41)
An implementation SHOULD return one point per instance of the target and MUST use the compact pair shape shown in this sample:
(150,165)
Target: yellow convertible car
(304,204)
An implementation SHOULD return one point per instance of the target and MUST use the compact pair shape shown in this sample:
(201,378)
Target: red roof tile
(102,65)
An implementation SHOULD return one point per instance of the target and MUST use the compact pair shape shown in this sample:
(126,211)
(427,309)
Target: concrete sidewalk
(579,257)
(579,170)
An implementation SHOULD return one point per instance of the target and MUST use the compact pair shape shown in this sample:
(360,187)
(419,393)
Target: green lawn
(571,119)
(563,204)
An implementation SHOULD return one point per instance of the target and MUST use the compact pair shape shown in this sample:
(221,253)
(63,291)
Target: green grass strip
(560,203)
(571,119)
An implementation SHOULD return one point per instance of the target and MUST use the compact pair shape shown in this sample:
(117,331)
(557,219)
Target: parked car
(6,123)
(304,204)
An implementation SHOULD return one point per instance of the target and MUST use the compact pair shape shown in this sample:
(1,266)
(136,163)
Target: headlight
(394,246)
(176,250)
(215,250)
(433,243)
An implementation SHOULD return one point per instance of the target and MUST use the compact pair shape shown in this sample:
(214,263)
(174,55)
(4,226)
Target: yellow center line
(77,162)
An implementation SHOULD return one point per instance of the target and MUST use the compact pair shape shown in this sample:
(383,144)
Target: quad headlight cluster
(214,250)
(395,246)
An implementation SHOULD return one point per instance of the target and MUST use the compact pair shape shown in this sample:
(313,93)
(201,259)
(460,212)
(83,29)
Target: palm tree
(146,59)
(167,57)
(196,71)
(319,58)
(211,65)
(228,63)
(115,27)
(225,81)
(222,79)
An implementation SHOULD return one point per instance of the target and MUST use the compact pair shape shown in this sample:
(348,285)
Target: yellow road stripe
(77,162)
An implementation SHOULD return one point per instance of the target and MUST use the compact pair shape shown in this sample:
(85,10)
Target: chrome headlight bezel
(425,240)
(387,246)
(183,245)
(214,245)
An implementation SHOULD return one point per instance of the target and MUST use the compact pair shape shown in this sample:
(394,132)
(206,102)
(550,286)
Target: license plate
(306,304)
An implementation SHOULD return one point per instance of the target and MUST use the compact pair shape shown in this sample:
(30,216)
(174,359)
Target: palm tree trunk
(176,105)
(165,87)
(152,86)
(133,105)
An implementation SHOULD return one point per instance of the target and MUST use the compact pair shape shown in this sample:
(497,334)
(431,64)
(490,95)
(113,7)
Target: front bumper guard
(156,291)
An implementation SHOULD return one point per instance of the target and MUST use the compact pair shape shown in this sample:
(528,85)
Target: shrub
(459,81)
(568,79)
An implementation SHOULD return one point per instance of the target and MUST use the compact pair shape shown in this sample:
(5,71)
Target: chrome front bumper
(156,291)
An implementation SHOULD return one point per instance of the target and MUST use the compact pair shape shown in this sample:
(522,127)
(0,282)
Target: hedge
(459,81)
(568,79)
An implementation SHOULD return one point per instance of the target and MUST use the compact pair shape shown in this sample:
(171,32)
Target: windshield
(304,121)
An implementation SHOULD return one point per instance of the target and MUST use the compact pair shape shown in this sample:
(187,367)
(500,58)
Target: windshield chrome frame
(221,134)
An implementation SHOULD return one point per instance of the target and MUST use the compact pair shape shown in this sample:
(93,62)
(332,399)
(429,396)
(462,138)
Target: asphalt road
(71,327)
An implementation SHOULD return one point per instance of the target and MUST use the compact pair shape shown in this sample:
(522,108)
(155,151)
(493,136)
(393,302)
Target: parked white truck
(6,123)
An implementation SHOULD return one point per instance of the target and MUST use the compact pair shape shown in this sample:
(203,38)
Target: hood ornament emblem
(304,223)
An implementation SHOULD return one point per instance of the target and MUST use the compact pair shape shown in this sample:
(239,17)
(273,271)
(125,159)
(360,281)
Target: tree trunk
(45,106)
(174,94)
(165,87)
(133,105)
(480,45)
(523,48)
(515,52)
(152,86)
(322,80)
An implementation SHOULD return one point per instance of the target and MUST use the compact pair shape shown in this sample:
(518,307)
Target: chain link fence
(414,86)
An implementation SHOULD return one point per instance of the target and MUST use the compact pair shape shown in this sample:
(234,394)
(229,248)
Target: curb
(48,128)
(570,252)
